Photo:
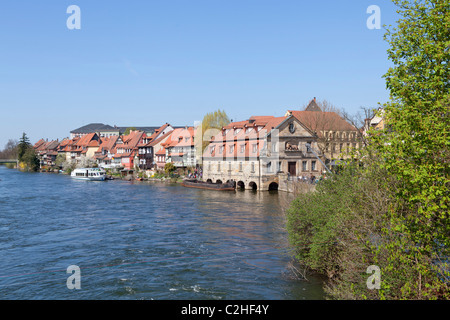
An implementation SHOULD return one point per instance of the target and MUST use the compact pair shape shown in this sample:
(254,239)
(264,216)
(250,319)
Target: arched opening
(241,185)
(219,181)
(209,181)
(253,185)
(273,186)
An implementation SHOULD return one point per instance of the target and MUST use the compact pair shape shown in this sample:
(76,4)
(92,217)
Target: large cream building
(267,152)
(261,153)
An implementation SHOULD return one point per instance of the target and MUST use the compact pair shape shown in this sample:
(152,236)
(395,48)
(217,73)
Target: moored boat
(194,183)
(93,174)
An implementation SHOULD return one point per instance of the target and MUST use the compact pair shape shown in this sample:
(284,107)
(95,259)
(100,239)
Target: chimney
(314,99)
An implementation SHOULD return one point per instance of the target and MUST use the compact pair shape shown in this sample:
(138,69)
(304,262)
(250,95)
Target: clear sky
(147,62)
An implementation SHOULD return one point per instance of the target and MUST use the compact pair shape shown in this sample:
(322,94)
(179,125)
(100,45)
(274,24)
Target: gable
(292,127)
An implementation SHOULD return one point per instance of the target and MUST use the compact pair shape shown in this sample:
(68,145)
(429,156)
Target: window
(218,166)
(212,149)
(269,166)
(304,165)
(308,146)
(313,165)
(240,166)
(221,149)
(255,147)
(249,129)
(232,148)
(242,148)
(253,167)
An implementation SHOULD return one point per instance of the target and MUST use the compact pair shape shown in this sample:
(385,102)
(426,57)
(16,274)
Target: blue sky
(145,63)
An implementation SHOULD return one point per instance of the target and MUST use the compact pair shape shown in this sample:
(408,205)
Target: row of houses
(262,152)
(146,149)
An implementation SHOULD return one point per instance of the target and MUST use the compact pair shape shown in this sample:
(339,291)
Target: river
(142,240)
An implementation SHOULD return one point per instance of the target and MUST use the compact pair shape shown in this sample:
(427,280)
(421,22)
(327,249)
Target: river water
(142,240)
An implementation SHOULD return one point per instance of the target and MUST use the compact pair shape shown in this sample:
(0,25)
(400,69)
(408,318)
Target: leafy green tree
(211,123)
(31,160)
(392,209)
(169,168)
(128,130)
(23,146)
(27,156)
(60,159)
(415,153)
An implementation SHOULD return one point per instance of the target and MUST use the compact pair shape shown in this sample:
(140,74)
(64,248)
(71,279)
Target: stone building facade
(262,153)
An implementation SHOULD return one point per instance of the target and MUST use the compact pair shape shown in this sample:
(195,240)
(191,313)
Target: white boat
(94,174)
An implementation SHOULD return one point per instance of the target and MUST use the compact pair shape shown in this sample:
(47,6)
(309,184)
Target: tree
(60,159)
(211,123)
(128,130)
(28,159)
(10,150)
(31,160)
(391,207)
(23,146)
(169,168)
(415,153)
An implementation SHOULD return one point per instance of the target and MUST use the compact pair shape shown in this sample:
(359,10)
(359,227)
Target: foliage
(128,130)
(26,155)
(29,160)
(60,159)
(23,146)
(212,122)
(10,150)
(169,168)
(393,210)
(415,151)
(333,229)
(87,163)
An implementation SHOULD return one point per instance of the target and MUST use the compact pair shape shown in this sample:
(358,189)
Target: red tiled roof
(178,138)
(318,121)
(161,152)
